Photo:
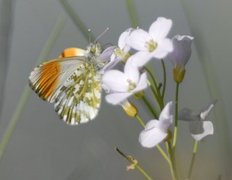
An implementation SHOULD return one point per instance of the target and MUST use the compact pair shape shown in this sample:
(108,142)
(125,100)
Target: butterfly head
(93,50)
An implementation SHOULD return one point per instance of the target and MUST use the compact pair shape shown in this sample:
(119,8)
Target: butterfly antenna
(89,35)
(100,35)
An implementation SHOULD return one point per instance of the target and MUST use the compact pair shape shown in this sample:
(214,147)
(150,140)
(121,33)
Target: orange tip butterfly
(72,82)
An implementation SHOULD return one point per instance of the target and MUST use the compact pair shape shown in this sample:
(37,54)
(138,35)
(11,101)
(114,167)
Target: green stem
(154,82)
(136,165)
(164,79)
(195,149)
(132,13)
(155,89)
(149,106)
(173,163)
(176,116)
(141,122)
(26,92)
(165,156)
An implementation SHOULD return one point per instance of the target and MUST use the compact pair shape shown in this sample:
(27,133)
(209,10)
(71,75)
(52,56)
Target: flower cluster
(136,48)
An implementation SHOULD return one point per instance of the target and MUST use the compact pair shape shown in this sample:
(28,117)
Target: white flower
(199,126)
(105,57)
(153,43)
(157,130)
(122,52)
(181,50)
(121,85)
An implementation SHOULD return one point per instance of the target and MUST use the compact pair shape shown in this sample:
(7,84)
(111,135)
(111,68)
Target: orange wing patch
(49,79)
(72,52)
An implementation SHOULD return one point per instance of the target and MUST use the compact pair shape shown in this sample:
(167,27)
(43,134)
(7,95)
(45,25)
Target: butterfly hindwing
(80,97)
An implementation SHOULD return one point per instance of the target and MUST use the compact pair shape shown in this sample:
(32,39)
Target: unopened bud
(130,109)
(178,73)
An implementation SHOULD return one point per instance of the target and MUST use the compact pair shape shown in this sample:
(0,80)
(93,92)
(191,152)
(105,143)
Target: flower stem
(176,116)
(172,163)
(165,156)
(155,89)
(164,79)
(149,106)
(141,122)
(26,92)
(195,149)
(136,165)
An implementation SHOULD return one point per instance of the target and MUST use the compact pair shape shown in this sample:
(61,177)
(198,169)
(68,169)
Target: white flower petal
(152,137)
(113,62)
(208,130)
(138,39)
(123,37)
(181,50)
(160,28)
(151,124)
(117,98)
(115,80)
(163,48)
(141,58)
(106,54)
(142,84)
(131,71)
(166,112)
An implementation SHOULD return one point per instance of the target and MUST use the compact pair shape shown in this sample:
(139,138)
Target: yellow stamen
(151,45)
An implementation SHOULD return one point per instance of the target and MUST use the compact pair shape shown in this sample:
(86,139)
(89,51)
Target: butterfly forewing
(73,84)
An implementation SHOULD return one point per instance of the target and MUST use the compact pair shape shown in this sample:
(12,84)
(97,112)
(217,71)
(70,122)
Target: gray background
(43,147)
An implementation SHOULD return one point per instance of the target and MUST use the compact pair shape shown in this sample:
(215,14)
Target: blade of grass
(26,92)
(132,13)
(76,20)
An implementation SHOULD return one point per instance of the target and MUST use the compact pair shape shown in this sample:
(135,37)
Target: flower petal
(208,130)
(114,60)
(138,39)
(164,47)
(106,54)
(131,71)
(115,81)
(123,37)
(181,50)
(151,137)
(160,28)
(142,84)
(166,113)
(117,98)
(140,58)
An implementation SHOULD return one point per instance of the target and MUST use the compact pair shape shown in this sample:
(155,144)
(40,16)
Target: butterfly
(72,82)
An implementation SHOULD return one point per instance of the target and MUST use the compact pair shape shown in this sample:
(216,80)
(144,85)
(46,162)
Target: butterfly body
(72,82)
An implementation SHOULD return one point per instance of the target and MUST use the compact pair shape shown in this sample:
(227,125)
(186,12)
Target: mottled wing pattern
(72,83)
(47,78)
(80,96)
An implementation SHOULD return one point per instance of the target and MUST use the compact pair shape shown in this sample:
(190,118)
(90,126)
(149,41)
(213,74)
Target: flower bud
(130,109)
(178,74)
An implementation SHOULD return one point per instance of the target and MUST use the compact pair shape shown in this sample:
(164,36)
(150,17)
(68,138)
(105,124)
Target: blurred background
(43,147)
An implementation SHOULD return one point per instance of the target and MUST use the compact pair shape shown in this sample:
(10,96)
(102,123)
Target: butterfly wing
(72,84)
(80,97)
